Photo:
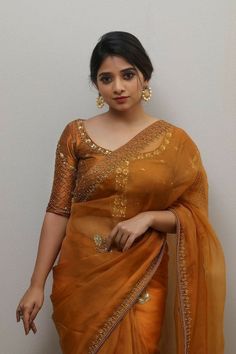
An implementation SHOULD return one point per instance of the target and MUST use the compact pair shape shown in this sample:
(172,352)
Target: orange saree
(111,302)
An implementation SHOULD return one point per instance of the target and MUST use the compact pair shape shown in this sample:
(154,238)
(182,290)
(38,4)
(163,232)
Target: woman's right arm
(54,224)
(51,237)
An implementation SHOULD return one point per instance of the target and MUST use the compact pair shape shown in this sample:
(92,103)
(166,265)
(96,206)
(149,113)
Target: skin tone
(123,120)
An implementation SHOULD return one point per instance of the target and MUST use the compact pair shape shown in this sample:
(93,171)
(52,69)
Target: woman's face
(120,83)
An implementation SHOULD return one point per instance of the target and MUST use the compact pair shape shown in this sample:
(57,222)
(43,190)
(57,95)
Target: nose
(118,86)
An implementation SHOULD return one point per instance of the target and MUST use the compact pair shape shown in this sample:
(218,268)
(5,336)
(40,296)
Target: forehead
(114,63)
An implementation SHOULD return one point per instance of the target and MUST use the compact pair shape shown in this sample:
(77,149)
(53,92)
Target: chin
(122,107)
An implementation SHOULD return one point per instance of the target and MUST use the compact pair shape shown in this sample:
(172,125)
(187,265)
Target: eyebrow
(122,71)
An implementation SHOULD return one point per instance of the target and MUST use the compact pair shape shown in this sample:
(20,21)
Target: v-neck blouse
(78,157)
(91,142)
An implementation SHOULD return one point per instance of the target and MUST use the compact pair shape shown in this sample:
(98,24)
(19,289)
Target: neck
(134,115)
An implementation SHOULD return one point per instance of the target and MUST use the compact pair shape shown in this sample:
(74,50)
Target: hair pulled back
(123,44)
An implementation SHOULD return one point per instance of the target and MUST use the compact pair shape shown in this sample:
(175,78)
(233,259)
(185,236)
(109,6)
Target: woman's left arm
(127,231)
(162,220)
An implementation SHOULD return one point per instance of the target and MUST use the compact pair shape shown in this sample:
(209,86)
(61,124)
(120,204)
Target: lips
(120,97)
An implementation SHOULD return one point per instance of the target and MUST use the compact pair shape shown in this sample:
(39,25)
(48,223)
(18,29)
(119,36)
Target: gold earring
(147,93)
(100,101)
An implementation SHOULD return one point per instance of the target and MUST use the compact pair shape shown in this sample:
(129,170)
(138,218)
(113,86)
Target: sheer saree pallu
(115,302)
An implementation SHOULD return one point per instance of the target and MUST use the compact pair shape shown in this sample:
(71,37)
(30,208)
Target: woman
(123,181)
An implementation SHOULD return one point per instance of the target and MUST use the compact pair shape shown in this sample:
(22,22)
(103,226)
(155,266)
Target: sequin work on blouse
(78,171)
(64,174)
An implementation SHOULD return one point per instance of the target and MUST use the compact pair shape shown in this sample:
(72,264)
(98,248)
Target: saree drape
(132,302)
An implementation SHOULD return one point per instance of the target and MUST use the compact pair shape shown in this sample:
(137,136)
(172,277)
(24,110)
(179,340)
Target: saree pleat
(142,323)
(146,300)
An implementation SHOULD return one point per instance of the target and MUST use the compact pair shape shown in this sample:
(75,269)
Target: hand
(126,232)
(29,306)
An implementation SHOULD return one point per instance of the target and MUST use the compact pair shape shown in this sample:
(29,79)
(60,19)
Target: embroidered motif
(127,303)
(120,201)
(101,243)
(157,151)
(144,297)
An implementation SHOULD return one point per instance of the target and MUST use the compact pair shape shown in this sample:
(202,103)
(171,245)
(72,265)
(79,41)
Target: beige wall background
(44,67)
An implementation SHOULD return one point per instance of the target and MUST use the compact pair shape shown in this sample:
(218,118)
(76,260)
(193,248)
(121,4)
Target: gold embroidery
(101,243)
(89,141)
(120,201)
(127,303)
(184,292)
(130,151)
(183,286)
(144,297)
(155,152)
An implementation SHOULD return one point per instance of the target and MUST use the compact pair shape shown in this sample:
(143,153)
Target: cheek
(105,91)
(137,86)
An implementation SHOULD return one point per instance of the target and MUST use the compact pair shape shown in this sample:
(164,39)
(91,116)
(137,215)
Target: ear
(145,83)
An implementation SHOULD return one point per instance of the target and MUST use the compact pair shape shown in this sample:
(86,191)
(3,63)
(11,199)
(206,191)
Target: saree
(166,293)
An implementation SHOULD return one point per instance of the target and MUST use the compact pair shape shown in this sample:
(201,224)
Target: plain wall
(44,68)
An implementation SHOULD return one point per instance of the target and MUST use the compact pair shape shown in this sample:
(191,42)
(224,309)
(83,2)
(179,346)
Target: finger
(123,240)
(34,313)
(129,242)
(33,327)
(111,236)
(18,313)
(26,317)
(117,238)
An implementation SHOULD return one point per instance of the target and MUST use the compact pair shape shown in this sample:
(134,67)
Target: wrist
(162,220)
(37,284)
(151,217)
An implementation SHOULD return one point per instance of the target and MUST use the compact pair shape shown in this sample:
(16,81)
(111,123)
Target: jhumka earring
(146,93)
(100,101)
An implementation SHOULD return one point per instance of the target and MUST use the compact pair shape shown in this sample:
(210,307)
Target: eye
(129,75)
(105,79)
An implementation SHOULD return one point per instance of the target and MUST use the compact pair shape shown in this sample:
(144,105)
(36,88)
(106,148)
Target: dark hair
(123,44)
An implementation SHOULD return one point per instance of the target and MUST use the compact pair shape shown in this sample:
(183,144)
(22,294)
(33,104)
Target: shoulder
(182,138)
(185,150)
(72,125)
(71,128)
(70,133)
(185,154)
(91,121)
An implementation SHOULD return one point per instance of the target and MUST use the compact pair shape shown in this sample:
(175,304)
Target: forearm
(163,220)
(51,237)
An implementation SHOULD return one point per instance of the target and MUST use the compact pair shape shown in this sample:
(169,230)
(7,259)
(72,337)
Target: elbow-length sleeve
(64,181)
(200,260)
